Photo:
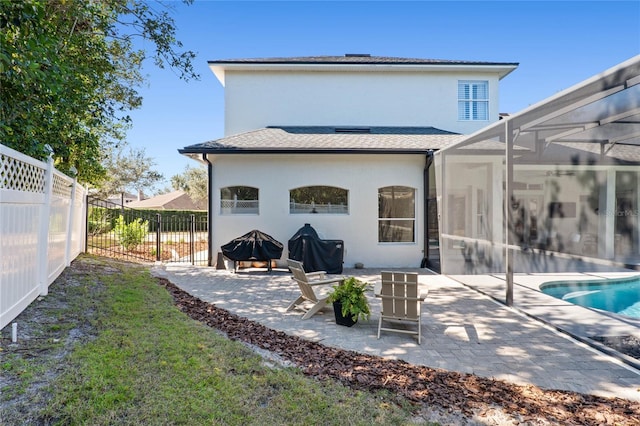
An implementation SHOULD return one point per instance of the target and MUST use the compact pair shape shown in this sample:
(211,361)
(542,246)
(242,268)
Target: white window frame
(295,207)
(399,219)
(239,207)
(468,107)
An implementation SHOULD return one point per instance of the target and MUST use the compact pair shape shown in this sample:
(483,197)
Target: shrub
(132,234)
(99,221)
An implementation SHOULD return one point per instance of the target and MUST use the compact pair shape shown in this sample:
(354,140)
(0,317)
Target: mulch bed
(469,394)
(147,251)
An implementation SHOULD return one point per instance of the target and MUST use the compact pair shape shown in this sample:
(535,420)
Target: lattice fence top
(61,186)
(80,194)
(20,176)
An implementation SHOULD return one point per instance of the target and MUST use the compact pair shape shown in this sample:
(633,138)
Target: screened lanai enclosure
(554,188)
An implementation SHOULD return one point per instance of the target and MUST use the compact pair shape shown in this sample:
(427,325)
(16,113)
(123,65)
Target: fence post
(43,238)
(158,235)
(70,223)
(85,210)
(192,236)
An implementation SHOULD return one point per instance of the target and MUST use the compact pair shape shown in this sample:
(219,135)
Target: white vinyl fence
(42,228)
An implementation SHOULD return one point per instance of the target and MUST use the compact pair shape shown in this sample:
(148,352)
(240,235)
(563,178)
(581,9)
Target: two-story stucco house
(344,143)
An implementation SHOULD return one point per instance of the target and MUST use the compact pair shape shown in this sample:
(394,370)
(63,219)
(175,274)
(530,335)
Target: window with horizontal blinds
(473,100)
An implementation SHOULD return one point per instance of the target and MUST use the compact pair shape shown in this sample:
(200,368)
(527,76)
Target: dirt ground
(169,251)
(446,397)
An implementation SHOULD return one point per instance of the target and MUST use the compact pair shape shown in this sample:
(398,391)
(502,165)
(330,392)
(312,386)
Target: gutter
(203,151)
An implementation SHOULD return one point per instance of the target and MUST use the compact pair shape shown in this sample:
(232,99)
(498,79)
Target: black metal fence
(146,235)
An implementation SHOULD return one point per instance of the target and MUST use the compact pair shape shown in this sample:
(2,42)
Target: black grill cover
(254,245)
(314,253)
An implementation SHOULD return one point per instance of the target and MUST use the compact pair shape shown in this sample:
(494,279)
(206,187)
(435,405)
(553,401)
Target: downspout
(209,211)
(425,183)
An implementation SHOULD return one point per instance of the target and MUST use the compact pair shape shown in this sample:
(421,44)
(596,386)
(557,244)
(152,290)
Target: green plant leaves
(131,234)
(69,73)
(351,293)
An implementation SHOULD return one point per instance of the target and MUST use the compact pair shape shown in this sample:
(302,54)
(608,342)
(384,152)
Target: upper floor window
(473,100)
(319,199)
(396,214)
(239,200)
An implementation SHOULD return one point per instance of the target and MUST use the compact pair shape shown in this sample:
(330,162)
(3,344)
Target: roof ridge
(355,59)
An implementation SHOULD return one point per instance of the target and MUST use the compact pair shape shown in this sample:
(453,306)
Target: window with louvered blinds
(473,100)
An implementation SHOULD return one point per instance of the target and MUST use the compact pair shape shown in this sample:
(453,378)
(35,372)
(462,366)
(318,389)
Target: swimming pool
(618,296)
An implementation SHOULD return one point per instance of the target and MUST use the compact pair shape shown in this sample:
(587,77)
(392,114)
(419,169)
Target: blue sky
(557,44)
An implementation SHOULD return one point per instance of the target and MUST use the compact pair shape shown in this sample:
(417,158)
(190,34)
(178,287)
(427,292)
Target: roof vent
(353,130)
(357,55)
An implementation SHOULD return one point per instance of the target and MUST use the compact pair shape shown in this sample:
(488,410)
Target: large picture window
(473,100)
(239,200)
(396,214)
(319,199)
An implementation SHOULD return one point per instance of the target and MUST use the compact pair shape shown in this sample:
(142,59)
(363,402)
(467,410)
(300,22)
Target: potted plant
(350,301)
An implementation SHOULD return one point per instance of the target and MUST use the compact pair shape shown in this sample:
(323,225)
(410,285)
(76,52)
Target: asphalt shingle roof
(331,139)
(355,59)
(176,200)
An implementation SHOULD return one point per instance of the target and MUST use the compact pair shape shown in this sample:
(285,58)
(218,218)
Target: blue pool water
(618,296)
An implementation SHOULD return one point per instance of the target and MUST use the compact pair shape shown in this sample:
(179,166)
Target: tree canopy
(193,181)
(69,72)
(130,170)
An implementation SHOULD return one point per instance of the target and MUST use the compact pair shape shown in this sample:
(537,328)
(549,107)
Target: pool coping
(578,322)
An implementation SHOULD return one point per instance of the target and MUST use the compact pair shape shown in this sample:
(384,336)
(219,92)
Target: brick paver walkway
(463,330)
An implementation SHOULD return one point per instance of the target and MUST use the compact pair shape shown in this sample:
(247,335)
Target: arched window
(396,214)
(239,200)
(319,199)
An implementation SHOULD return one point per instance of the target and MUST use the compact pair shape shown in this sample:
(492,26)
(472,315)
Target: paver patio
(463,330)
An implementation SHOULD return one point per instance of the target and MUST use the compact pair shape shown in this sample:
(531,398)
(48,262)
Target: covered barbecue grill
(314,253)
(254,245)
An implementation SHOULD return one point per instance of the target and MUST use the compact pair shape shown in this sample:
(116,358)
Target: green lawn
(150,364)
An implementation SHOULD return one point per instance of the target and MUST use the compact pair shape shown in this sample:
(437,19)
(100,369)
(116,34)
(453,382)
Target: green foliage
(193,181)
(319,195)
(69,74)
(99,220)
(351,293)
(131,234)
(130,170)
(172,220)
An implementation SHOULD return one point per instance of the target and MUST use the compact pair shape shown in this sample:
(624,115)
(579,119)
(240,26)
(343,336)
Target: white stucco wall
(265,98)
(362,175)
